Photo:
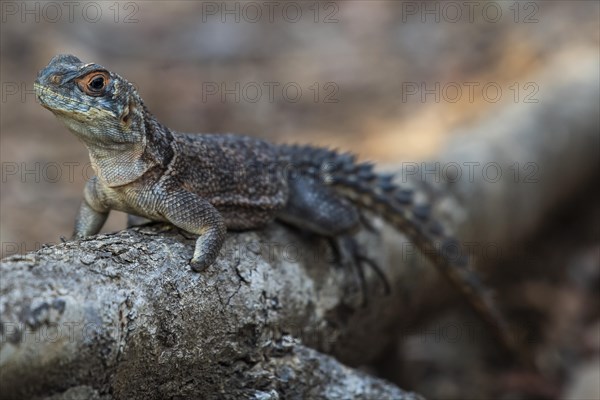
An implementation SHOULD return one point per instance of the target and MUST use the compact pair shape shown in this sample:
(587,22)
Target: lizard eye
(97,83)
(94,83)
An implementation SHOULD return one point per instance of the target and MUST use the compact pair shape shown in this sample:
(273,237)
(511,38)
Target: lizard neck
(118,164)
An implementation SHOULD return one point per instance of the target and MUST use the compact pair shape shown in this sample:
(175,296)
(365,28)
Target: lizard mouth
(40,93)
(57,102)
(47,97)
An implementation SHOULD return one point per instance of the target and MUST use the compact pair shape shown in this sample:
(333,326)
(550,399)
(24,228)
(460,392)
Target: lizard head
(97,105)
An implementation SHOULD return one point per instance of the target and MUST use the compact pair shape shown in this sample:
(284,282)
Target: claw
(198,265)
(375,267)
(350,254)
(366,222)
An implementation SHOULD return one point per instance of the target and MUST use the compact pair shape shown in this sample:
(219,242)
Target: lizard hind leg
(317,209)
(351,254)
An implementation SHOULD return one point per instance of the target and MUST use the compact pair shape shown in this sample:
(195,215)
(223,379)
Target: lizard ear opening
(127,113)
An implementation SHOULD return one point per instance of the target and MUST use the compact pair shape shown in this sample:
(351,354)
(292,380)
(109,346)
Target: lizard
(206,184)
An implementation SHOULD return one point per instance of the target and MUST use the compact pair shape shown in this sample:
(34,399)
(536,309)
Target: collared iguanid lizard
(206,184)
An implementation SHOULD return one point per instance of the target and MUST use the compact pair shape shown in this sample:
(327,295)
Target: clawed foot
(198,265)
(350,254)
(205,253)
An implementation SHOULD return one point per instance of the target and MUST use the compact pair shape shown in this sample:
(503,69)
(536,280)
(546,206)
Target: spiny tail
(378,193)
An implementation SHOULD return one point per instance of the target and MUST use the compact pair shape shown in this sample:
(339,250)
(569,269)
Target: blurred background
(388,80)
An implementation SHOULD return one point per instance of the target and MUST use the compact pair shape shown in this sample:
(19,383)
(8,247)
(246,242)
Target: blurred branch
(546,152)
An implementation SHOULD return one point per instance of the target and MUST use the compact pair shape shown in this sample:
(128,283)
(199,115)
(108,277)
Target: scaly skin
(206,184)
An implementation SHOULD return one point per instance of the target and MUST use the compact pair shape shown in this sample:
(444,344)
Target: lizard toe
(198,265)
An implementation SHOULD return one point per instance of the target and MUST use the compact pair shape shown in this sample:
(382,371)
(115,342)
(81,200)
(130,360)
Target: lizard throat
(120,167)
(118,164)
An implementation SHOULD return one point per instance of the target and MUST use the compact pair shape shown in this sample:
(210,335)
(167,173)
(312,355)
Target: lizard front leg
(92,212)
(193,214)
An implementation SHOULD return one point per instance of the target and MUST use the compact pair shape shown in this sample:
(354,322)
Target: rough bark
(122,316)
